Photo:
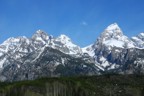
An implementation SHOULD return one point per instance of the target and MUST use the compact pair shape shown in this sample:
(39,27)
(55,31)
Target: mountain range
(43,55)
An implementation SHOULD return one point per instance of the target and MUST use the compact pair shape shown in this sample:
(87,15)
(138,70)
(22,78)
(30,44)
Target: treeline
(104,85)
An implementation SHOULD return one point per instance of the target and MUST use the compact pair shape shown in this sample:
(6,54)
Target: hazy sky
(81,20)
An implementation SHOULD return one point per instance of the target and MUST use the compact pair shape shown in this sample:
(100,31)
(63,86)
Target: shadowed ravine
(107,85)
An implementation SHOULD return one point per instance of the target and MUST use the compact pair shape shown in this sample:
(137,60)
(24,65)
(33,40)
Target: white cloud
(84,23)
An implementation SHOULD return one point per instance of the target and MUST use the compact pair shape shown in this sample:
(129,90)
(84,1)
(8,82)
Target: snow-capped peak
(12,43)
(65,44)
(40,37)
(40,32)
(64,39)
(139,40)
(113,27)
(141,35)
(112,31)
(113,36)
(89,50)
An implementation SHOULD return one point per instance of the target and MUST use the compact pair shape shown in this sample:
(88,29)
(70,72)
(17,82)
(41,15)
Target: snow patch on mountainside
(65,42)
(114,43)
(139,40)
(89,50)
(2,62)
(42,50)
(104,62)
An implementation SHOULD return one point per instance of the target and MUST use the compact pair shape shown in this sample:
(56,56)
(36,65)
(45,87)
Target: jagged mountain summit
(139,40)
(43,55)
(115,52)
(111,37)
(114,37)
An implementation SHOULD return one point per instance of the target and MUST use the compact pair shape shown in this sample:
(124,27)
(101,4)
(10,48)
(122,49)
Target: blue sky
(81,20)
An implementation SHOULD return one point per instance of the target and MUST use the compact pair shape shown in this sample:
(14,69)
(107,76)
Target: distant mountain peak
(139,40)
(113,36)
(40,31)
(113,26)
(141,35)
(40,36)
(112,31)
(14,40)
(64,38)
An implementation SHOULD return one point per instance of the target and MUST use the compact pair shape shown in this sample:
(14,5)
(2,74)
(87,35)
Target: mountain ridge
(43,55)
